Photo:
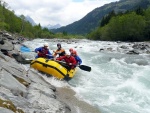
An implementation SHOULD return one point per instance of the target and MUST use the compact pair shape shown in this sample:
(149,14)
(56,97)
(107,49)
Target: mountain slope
(29,19)
(92,19)
(53,26)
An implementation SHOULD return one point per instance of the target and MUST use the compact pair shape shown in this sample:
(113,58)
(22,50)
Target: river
(118,82)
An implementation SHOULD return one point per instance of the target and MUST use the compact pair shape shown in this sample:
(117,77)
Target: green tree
(128,27)
(22,23)
(147,28)
(37,31)
(65,33)
(139,11)
(105,19)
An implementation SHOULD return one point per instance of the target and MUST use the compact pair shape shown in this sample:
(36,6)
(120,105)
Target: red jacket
(68,60)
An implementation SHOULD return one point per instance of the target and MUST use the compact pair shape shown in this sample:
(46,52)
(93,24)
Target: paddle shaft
(83,67)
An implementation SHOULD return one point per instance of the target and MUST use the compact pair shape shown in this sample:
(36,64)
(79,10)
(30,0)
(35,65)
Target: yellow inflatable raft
(53,68)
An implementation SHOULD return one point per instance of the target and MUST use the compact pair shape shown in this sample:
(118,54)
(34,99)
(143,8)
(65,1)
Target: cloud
(55,11)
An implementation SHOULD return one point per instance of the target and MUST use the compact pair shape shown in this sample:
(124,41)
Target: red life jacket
(71,59)
(43,53)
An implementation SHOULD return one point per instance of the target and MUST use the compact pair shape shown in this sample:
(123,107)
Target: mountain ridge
(49,26)
(93,18)
(29,19)
(53,26)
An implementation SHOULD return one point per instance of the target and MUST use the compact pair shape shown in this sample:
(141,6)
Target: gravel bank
(67,96)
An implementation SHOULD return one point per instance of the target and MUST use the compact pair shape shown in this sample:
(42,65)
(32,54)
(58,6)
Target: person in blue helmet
(60,51)
(43,52)
(78,59)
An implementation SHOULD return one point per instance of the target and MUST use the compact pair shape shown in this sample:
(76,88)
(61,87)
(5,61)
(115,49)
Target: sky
(54,12)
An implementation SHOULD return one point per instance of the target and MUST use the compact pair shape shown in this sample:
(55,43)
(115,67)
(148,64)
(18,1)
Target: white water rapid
(118,82)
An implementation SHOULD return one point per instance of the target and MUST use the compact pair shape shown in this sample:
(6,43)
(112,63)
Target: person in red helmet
(71,50)
(78,59)
(70,60)
(60,51)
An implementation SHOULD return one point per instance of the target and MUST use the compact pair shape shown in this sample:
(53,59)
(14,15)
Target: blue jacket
(45,52)
(78,60)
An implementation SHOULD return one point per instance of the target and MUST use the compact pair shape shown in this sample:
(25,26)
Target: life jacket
(43,53)
(71,59)
(60,51)
(78,59)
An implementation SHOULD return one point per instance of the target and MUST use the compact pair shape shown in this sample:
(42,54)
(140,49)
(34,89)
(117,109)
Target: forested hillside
(111,22)
(93,19)
(130,26)
(14,24)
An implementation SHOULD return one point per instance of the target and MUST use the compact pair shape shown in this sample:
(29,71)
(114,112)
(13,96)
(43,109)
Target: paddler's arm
(37,50)
(49,55)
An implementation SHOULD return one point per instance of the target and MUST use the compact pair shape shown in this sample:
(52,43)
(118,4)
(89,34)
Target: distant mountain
(92,19)
(53,26)
(29,19)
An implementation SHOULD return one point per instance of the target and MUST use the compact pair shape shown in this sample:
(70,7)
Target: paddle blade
(85,68)
(25,49)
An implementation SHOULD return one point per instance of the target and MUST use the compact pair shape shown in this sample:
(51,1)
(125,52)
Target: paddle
(46,54)
(82,67)
(85,68)
(25,49)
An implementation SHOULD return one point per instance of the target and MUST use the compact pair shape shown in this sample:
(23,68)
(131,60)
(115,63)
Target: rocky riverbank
(24,90)
(67,96)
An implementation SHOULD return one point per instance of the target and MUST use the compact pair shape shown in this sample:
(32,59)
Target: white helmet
(45,44)
(67,53)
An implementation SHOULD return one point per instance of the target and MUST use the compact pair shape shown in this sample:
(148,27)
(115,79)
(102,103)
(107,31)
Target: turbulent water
(118,83)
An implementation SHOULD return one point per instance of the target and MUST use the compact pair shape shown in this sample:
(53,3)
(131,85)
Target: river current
(118,82)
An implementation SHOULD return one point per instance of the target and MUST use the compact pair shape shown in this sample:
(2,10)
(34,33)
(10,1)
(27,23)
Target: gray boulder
(6,45)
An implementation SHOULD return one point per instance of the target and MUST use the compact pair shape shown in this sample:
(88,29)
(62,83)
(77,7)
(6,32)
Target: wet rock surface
(25,89)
